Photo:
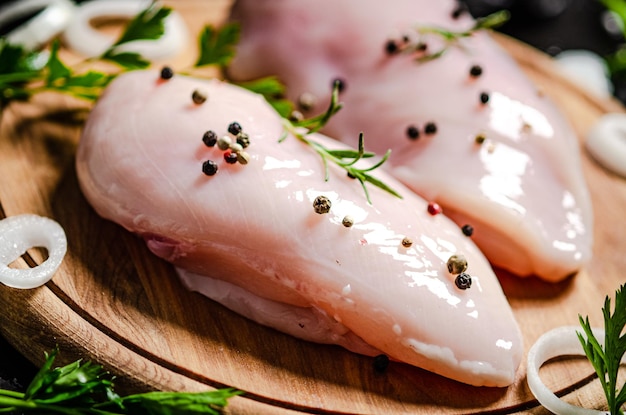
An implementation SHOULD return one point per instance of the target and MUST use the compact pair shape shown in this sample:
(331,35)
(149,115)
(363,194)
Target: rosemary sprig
(606,360)
(450,37)
(85,388)
(344,158)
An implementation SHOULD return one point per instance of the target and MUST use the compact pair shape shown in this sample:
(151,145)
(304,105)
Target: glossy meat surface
(522,188)
(250,238)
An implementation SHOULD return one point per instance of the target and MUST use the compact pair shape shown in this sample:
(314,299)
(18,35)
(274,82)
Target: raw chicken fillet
(497,154)
(249,237)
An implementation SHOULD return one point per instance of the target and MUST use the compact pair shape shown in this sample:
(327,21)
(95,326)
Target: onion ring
(606,141)
(87,41)
(562,341)
(22,232)
(51,21)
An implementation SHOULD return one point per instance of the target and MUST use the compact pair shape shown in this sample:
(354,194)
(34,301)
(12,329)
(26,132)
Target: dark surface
(578,26)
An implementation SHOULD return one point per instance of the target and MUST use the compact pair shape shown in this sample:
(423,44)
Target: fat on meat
(249,237)
(521,186)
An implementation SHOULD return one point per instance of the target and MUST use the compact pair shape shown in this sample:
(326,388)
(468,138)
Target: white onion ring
(22,232)
(606,141)
(51,21)
(87,41)
(561,341)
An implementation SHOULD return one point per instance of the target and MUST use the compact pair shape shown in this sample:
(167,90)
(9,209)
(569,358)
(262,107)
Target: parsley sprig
(85,388)
(606,359)
(344,158)
(24,73)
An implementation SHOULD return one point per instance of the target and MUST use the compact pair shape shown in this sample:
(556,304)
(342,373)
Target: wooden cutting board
(115,303)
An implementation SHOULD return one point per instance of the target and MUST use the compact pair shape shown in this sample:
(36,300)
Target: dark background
(549,25)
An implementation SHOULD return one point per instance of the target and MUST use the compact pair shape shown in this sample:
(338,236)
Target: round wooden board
(115,303)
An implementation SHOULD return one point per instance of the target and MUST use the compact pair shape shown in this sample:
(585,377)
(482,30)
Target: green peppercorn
(457,264)
(224,142)
(199,97)
(243,139)
(243,157)
(347,221)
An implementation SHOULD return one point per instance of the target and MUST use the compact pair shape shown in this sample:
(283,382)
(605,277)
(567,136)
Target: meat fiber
(497,154)
(249,237)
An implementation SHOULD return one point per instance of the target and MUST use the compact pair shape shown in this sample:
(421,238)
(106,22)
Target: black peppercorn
(459,10)
(467,230)
(209,167)
(210,138)
(167,72)
(198,97)
(484,97)
(475,71)
(381,362)
(413,132)
(391,47)
(234,128)
(463,281)
(430,128)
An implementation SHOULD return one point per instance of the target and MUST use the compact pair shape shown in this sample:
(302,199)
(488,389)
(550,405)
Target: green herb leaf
(56,68)
(147,25)
(217,46)
(344,158)
(606,359)
(174,403)
(127,60)
(273,91)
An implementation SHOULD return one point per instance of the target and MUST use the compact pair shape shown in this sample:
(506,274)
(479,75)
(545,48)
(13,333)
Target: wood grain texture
(113,302)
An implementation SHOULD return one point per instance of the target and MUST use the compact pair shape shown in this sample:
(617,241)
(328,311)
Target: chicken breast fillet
(466,127)
(249,236)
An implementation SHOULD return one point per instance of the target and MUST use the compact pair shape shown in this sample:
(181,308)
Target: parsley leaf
(606,359)
(85,388)
(218,46)
(147,25)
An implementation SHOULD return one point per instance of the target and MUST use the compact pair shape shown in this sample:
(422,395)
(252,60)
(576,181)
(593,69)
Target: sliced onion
(22,232)
(87,41)
(54,17)
(606,141)
(561,341)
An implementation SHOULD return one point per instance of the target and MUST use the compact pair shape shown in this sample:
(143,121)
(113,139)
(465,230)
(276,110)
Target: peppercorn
(210,138)
(413,132)
(475,71)
(381,363)
(234,128)
(322,204)
(243,157)
(459,10)
(224,142)
(296,116)
(306,101)
(434,208)
(198,97)
(209,167)
(467,230)
(421,47)
(430,128)
(347,221)
(235,147)
(457,264)
(480,138)
(484,97)
(463,281)
(230,157)
(167,72)
(391,47)
(407,242)
(243,139)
